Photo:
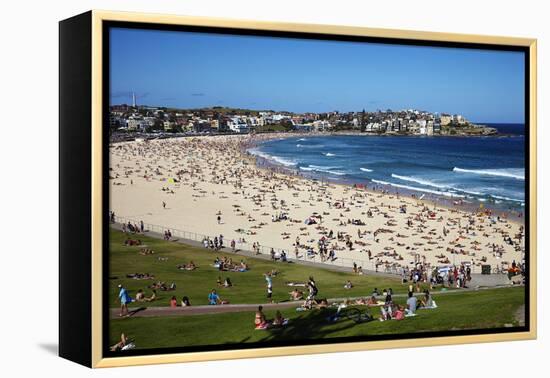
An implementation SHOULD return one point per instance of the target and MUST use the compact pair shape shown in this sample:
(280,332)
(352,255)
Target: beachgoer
(173,302)
(213,298)
(411,304)
(260,322)
(124,298)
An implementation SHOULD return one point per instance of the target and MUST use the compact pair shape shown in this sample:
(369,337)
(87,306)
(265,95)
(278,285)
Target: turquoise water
(473,170)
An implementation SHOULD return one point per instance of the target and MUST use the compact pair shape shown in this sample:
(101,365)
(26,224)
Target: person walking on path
(124,298)
(269,283)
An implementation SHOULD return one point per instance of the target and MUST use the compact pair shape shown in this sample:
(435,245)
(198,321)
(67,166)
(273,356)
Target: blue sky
(190,70)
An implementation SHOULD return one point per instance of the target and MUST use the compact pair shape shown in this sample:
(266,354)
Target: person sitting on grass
(123,344)
(140,296)
(386,310)
(372,301)
(321,303)
(227,283)
(296,295)
(152,297)
(279,320)
(173,301)
(348,285)
(260,321)
(185,302)
(411,305)
(214,298)
(219,281)
(399,312)
(243,267)
(427,301)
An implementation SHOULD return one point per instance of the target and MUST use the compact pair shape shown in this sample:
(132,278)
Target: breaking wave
(516,173)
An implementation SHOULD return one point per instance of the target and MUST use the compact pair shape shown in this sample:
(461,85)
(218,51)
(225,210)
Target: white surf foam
(516,173)
(323,169)
(278,159)
(419,181)
(366,169)
(437,192)
(506,198)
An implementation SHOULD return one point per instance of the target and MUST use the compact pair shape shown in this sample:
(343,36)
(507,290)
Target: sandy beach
(208,185)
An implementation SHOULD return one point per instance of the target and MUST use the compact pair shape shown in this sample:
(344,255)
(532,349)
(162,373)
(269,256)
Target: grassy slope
(249,287)
(467,310)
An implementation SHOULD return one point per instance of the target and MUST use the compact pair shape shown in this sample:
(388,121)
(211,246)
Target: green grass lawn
(456,311)
(249,287)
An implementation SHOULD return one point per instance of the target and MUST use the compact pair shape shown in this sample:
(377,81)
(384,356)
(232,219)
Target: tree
(287,124)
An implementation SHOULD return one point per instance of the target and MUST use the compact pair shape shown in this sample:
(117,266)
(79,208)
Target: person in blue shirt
(213,298)
(124,298)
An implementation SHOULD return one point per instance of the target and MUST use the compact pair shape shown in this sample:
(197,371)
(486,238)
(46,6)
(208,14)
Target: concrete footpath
(219,309)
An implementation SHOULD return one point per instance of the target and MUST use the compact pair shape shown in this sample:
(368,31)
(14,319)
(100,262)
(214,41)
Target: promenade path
(228,308)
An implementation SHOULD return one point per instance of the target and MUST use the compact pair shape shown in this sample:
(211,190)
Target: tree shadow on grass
(314,324)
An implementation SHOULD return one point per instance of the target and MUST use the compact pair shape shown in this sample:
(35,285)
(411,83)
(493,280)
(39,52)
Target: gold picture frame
(94,24)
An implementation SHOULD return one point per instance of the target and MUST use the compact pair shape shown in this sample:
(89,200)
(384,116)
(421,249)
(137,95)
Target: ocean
(487,171)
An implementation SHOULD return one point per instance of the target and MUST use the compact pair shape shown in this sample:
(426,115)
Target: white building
(136,124)
(321,125)
(255,121)
(237,124)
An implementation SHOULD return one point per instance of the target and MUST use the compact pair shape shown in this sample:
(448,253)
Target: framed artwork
(234,189)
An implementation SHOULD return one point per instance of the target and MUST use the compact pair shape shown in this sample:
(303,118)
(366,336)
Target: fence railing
(263,249)
(266,250)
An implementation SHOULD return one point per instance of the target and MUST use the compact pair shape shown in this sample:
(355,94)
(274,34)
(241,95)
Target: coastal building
(307,127)
(169,125)
(411,122)
(322,125)
(237,125)
(136,123)
(459,119)
(445,119)
(437,127)
(430,128)
(254,122)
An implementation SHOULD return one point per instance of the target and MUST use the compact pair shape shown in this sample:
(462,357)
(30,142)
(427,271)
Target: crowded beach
(212,186)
